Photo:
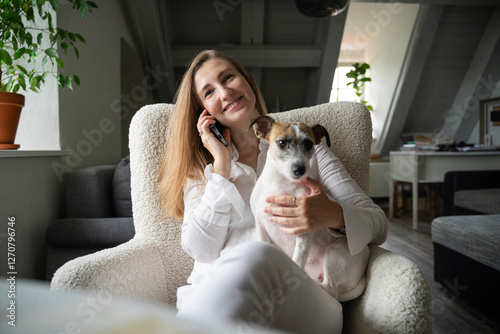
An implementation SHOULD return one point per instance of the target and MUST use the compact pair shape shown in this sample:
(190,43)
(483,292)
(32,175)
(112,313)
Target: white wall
(90,129)
(39,123)
(386,55)
(383,32)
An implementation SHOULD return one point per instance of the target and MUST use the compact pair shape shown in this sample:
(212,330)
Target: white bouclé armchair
(153,265)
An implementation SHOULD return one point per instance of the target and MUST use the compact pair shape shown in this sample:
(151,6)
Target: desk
(430,167)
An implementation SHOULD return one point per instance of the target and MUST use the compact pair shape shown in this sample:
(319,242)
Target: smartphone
(217,130)
(217,133)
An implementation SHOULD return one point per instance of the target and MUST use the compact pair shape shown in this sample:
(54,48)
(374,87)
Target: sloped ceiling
(291,56)
(454,45)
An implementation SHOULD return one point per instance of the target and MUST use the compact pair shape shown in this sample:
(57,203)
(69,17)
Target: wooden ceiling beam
(277,56)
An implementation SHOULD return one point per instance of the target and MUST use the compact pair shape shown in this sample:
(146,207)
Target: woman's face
(225,93)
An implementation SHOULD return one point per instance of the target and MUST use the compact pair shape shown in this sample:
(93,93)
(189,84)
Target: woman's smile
(233,104)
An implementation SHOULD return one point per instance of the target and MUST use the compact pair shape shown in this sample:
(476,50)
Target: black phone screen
(217,130)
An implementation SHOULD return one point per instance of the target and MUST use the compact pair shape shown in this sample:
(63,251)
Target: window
(340,90)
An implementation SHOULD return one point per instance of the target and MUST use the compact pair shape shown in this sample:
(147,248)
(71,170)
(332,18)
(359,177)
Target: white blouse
(217,214)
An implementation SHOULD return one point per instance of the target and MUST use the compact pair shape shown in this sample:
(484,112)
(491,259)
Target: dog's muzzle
(298,170)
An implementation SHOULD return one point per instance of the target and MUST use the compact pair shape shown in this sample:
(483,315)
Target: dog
(324,256)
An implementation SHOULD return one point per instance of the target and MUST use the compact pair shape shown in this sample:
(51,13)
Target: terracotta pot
(11,105)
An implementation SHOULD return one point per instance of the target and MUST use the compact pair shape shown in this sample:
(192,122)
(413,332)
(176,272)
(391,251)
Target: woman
(209,186)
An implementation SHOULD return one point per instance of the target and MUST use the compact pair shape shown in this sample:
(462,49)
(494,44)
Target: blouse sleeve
(365,222)
(208,210)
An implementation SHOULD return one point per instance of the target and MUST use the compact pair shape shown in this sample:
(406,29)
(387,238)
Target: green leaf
(60,63)
(5,57)
(80,37)
(22,81)
(69,83)
(60,80)
(54,4)
(30,14)
(22,69)
(64,46)
(51,52)
(19,53)
(76,79)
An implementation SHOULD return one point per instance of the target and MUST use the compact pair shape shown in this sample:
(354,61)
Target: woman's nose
(226,92)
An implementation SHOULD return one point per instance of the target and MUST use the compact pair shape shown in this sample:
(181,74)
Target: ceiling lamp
(321,8)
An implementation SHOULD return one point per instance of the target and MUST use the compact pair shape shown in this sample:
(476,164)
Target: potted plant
(28,35)
(358,75)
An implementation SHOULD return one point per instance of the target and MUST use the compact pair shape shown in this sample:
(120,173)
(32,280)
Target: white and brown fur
(324,256)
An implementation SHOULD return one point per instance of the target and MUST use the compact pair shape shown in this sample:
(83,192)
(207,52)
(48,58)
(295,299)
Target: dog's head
(291,145)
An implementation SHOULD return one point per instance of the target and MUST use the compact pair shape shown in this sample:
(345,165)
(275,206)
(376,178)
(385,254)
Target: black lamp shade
(321,8)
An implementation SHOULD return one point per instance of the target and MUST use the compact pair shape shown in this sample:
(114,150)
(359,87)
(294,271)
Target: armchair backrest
(349,127)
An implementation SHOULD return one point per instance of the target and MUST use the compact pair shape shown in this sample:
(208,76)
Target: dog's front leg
(301,251)
(261,232)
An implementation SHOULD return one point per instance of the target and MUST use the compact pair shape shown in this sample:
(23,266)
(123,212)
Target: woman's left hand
(310,213)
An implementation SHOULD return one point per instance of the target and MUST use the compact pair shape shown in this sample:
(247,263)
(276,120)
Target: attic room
(430,97)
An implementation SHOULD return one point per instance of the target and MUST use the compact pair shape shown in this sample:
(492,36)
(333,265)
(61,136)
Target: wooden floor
(450,314)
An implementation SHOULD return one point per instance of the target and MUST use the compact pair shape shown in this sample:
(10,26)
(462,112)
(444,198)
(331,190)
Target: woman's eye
(281,143)
(208,93)
(228,77)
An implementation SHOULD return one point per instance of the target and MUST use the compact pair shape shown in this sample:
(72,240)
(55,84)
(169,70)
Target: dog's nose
(298,170)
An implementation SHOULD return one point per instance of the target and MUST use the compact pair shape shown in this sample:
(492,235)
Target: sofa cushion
(474,236)
(89,232)
(121,194)
(480,200)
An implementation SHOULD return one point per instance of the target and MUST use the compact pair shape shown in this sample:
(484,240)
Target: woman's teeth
(232,104)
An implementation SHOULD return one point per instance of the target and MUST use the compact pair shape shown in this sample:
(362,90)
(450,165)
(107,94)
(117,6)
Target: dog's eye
(281,143)
(307,145)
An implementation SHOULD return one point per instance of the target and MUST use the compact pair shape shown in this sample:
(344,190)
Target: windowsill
(31,154)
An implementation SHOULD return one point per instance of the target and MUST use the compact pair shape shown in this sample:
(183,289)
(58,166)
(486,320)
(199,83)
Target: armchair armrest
(88,192)
(134,269)
(464,180)
(396,299)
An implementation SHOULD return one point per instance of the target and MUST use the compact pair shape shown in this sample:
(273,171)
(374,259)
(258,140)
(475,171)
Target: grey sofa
(467,240)
(99,214)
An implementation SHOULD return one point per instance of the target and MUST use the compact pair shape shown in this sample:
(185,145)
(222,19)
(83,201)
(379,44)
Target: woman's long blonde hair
(185,156)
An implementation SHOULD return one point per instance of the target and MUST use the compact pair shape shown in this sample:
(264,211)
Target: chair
(152,265)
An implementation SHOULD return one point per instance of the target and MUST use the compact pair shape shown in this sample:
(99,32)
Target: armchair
(152,265)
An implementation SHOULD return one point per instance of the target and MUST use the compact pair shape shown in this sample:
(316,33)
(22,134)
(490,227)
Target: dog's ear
(262,126)
(320,132)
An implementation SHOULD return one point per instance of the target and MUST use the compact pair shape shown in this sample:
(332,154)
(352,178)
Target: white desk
(430,167)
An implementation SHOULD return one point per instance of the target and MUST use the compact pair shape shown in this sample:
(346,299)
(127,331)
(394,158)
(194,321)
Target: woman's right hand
(221,153)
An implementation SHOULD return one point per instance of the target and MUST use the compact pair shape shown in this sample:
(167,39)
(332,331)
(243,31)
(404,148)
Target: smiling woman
(186,156)
(209,186)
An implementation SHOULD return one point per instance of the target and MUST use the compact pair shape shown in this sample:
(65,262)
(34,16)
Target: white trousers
(258,285)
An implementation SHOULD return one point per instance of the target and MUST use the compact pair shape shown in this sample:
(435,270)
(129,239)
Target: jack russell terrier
(322,254)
